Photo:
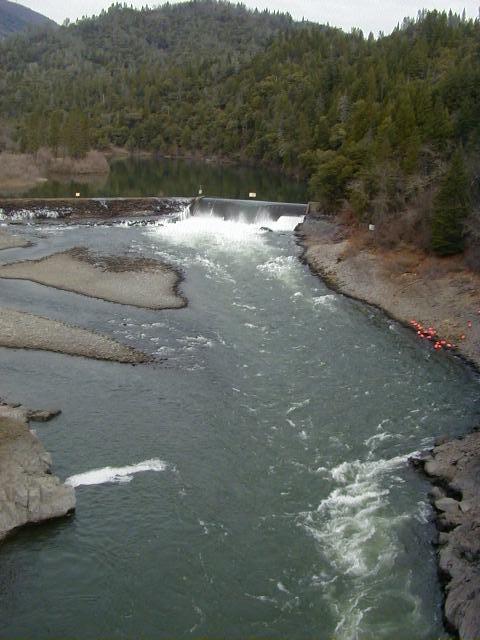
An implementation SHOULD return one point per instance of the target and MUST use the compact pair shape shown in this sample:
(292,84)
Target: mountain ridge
(372,124)
(15,18)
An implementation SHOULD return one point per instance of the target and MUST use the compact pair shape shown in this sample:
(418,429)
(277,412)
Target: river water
(253,483)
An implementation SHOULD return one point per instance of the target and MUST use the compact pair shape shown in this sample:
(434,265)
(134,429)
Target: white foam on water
(281,267)
(38,214)
(327,301)
(357,535)
(115,474)
(298,405)
(285,223)
(196,231)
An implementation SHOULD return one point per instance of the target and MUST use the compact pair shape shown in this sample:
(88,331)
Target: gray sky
(369,15)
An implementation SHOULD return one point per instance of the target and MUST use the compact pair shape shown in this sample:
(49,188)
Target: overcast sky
(369,15)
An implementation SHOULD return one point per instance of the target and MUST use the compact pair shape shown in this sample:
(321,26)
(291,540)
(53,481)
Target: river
(275,499)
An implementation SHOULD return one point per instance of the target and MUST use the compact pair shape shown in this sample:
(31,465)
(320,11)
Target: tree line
(385,130)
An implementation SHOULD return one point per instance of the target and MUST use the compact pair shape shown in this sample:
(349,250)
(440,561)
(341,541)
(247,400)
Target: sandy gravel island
(8,241)
(20,330)
(137,282)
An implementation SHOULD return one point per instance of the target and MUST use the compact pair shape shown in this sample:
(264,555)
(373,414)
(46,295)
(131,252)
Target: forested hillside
(14,18)
(380,128)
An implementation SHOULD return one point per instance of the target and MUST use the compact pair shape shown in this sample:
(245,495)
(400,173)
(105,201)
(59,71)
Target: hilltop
(15,18)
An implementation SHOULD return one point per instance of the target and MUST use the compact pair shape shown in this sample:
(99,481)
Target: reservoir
(143,177)
(253,482)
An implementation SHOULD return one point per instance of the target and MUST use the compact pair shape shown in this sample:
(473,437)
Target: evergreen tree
(451,209)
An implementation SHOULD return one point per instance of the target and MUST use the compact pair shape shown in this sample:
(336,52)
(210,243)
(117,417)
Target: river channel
(273,496)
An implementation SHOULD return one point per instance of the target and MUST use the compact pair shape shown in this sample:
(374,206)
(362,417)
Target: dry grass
(357,242)
(18,169)
(401,262)
(93,163)
(434,268)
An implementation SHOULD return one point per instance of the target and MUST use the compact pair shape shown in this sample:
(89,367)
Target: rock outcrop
(29,493)
(454,468)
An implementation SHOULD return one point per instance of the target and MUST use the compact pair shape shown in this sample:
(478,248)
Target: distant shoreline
(22,171)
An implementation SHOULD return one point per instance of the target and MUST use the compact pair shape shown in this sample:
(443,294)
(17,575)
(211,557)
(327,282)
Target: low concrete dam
(248,211)
(21,210)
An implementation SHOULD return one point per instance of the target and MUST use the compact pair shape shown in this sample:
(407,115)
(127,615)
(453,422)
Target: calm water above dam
(275,499)
(142,177)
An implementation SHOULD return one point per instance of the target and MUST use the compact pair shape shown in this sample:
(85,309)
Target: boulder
(454,467)
(29,493)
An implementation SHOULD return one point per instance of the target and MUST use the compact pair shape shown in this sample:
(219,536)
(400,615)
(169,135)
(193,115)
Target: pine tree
(451,208)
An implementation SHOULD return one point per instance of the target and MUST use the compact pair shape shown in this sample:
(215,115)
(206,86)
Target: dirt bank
(29,493)
(441,294)
(19,330)
(148,284)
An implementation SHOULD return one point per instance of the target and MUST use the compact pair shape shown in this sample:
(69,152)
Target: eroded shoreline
(452,305)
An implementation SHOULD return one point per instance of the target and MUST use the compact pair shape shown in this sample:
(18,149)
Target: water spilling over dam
(253,212)
(254,480)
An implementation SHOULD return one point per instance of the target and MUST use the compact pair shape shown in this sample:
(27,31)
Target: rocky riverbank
(454,469)
(29,493)
(407,285)
(441,294)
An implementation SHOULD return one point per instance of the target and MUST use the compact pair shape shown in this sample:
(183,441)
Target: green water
(176,177)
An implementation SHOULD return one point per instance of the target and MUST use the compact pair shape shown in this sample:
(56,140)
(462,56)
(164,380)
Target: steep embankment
(441,294)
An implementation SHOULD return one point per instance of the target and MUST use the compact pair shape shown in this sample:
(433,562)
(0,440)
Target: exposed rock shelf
(29,493)
(454,468)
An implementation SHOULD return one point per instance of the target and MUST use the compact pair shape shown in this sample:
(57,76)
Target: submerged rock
(29,493)
(455,467)
(43,415)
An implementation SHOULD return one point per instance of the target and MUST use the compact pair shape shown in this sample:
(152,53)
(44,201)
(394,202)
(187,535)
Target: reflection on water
(176,177)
